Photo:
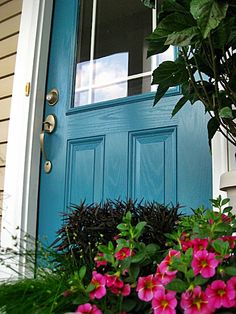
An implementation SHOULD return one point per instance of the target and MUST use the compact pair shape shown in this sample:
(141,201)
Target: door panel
(116,149)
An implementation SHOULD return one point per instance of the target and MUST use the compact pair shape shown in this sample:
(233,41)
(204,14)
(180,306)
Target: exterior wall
(10,14)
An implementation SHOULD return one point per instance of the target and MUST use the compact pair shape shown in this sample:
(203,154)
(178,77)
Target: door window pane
(111,58)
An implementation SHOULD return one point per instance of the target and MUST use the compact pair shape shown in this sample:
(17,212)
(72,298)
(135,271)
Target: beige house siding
(10,14)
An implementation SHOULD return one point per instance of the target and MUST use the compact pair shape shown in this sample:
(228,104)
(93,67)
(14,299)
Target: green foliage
(204,31)
(64,283)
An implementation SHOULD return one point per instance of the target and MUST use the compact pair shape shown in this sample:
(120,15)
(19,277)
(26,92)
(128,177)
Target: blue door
(109,141)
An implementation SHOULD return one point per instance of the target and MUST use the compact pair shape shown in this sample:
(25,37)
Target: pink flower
(99,260)
(185,241)
(230,239)
(87,308)
(169,258)
(116,285)
(123,253)
(125,290)
(224,218)
(204,263)
(164,303)
(146,287)
(220,294)
(195,302)
(99,282)
(231,283)
(199,244)
(113,281)
(164,275)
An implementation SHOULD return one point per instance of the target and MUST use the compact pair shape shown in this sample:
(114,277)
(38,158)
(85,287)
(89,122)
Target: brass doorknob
(52,97)
(49,126)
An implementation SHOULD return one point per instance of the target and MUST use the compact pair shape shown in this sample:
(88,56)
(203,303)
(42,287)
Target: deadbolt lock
(52,97)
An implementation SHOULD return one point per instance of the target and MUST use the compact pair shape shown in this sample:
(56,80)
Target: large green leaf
(183,37)
(157,42)
(177,285)
(226,112)
(176,22)
(170,73)
(161,90)
(212,127)
(173,6)
(221,35)
(208,14)
(179,105)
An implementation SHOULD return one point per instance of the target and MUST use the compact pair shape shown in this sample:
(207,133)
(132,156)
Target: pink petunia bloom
(99,260)
(231,283)
(123,253)
(99,282)
(220,294)
(199,244)
(195,302)
(185,241)
(230,239)
(146,287)
(204,263)
(164,275)
(164,303)
(116,285)
(113,281)
(224,218)
(169,258)
(87,308)
(125,290)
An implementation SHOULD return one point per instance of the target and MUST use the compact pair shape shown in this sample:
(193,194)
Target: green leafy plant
(194,273)
(205,33)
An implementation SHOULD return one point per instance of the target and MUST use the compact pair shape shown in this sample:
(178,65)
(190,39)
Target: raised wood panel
(86,173)
(7,65)
(2,172)
(5,105)
(8,45)
(3,150)
(3,131)
(6,86)
(10,8)
(10,26)
(153,165)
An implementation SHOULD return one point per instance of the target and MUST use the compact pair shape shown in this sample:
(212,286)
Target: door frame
(23,150)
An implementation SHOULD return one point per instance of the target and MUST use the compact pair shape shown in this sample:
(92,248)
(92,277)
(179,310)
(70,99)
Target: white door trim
(23,150)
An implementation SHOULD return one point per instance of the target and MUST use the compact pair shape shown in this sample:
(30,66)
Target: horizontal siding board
(10,26)
(10,8)
(5,105)
(3,131)
(6,85)
(8,46)
(2,172)
(7,65)
(3,151)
